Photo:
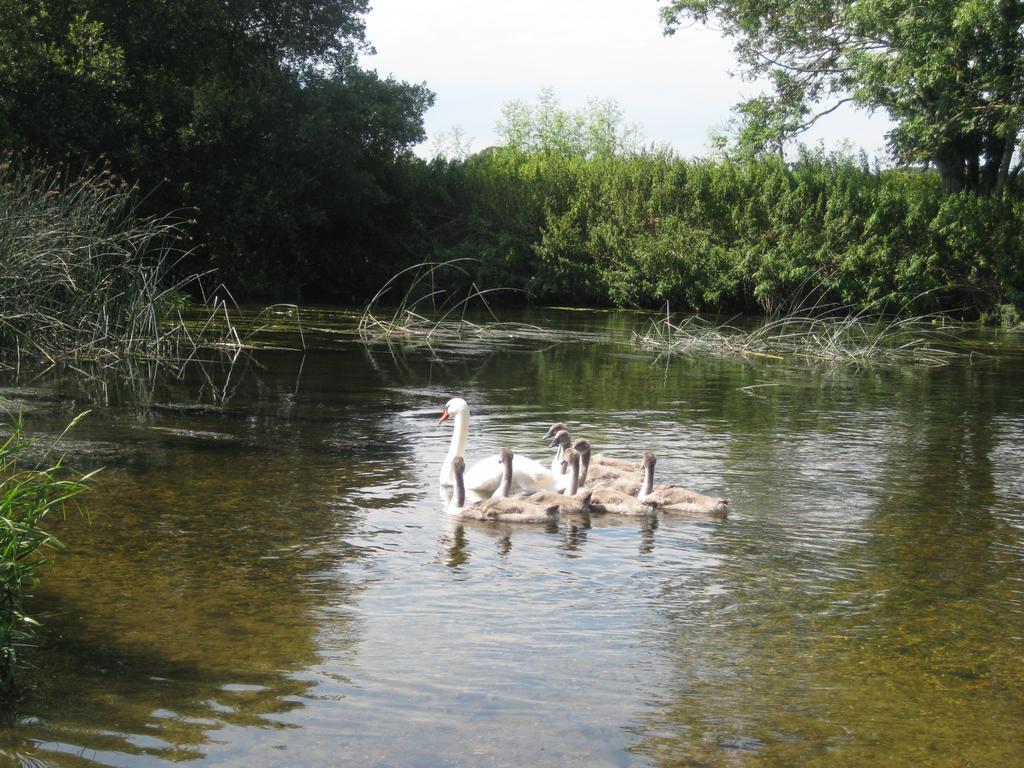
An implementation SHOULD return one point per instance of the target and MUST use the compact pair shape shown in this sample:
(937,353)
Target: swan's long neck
(585,462)
(460,438)
(574,478)
(648,482)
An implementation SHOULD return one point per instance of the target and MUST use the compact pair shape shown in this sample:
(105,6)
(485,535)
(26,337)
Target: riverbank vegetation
(27,497)
(646,228)
(295,164)
(254,116)
(82,274)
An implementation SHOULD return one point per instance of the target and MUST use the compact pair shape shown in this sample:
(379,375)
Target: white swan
(484,476)
(497,508)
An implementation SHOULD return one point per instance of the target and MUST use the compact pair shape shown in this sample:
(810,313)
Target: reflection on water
(269,576)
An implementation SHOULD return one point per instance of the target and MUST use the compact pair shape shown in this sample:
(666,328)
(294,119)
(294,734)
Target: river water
(267,576)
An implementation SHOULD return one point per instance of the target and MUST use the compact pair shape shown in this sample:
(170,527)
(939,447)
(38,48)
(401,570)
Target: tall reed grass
(82,275)
(27,497)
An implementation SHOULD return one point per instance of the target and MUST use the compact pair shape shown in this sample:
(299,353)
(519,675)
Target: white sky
(476,55)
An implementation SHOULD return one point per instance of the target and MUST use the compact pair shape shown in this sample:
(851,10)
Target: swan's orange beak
(444,417)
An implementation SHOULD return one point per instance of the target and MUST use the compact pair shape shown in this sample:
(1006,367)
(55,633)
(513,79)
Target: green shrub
(648,227)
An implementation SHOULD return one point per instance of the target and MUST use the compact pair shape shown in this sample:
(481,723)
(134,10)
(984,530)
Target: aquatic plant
(827,334)
(436,301)
(81,274)
(1009,315)
(27,496)
(807,327)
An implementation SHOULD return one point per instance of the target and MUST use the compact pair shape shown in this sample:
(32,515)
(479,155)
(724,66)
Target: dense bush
(646,228)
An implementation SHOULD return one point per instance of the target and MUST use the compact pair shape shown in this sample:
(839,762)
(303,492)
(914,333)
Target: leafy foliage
(298,162)
(255,113)
(652,228)
(27,496)
(551,129)
(948,72)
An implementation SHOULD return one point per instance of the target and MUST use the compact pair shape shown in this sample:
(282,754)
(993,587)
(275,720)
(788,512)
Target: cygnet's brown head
(582,447)
(572,458)
(505,456)
(458,466)
(649,460)
(555,428)
(561,439)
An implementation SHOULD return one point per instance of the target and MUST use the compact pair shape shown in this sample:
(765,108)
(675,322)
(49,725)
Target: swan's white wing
(556,464)
(562,481)
(484,476)
(531,475)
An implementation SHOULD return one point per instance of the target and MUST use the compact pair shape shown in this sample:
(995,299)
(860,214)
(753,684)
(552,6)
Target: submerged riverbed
(268,576)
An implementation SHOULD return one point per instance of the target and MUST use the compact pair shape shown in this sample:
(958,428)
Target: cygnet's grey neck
(574,472)
(505,457)
(582,447)
(647,485)
(459,498)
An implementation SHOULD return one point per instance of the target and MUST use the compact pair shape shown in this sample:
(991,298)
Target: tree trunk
(1004,163)
(951,172)
(974,174)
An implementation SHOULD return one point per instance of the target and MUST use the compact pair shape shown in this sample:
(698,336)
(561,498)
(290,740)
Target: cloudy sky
(476,55)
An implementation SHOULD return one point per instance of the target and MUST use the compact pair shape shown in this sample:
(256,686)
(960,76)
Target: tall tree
(549,128)
(256,112)
(950,73)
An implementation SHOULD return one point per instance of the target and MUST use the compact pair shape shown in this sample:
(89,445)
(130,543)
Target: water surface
(268,577)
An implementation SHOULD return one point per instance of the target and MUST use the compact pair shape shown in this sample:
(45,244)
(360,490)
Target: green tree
(254,112)
(549,128)
(950,73)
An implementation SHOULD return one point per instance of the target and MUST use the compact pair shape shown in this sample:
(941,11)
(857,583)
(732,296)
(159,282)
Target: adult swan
(484,477)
